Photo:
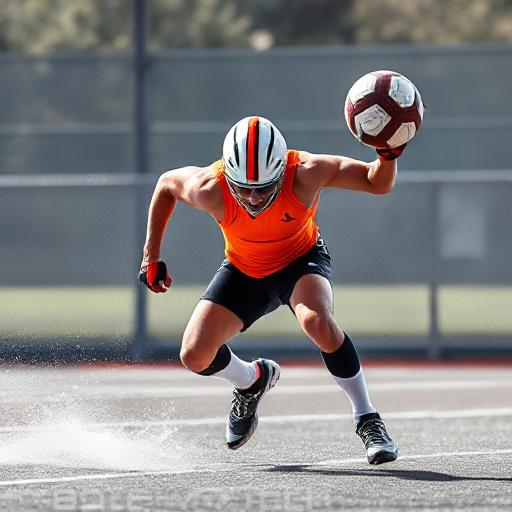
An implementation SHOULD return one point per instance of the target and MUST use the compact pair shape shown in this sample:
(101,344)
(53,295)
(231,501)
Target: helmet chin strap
(268,203)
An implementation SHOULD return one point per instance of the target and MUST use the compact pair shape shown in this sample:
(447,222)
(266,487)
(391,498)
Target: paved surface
(152,439)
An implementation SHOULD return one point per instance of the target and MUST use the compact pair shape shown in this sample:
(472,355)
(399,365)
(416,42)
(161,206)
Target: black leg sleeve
(220,361)
(344,362)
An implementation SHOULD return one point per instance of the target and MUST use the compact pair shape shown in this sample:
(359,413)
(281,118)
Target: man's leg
(312,303)
(204,351)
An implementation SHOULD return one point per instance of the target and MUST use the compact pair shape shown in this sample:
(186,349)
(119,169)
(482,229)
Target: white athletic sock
(356,391)
(239,373)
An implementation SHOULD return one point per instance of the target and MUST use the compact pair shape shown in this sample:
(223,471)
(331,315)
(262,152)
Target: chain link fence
(74,113)
(425,268)
(422,269)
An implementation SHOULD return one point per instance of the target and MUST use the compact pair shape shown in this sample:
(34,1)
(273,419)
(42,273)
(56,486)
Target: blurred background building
(98,97)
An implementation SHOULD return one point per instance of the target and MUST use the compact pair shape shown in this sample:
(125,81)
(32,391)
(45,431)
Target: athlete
(264,198)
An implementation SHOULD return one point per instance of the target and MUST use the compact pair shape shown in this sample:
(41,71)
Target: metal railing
(462,279)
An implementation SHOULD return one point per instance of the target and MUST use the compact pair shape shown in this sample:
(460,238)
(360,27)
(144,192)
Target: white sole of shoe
(382,457)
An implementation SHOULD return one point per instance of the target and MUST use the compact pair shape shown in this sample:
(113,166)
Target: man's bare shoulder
(208,189)
(314,170)
(191,173)
(204,178)
(196,186)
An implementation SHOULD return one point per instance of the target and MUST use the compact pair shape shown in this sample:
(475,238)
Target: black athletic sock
(343,362)
(220,361)
(346,370)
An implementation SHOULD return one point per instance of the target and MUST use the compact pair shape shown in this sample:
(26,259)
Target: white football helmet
(254,155)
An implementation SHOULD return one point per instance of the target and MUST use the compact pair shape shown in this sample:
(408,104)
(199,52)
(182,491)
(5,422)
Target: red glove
(392,153)
(155,276)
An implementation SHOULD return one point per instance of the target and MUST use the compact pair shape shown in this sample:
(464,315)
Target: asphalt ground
(152,439)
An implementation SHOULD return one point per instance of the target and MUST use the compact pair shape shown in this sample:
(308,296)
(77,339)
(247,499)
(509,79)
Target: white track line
(102,476)
(127,392)
(232,467)
(290,418)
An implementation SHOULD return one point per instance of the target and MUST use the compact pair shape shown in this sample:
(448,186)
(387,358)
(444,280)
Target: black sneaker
(243,418)
(379,445)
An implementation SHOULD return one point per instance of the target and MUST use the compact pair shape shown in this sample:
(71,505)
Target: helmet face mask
(254,155)
(255,199)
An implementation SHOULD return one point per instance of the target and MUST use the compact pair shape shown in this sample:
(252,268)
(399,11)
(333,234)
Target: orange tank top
(261,245)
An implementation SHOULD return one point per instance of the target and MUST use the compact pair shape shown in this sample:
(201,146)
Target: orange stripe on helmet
(252,150)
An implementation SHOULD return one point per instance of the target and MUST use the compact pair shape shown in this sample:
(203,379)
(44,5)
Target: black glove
(155,276)
(392,153)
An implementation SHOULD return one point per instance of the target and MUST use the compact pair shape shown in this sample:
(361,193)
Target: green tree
(302,22)
(49,25)
(52,25)
(197,24)
(432,21)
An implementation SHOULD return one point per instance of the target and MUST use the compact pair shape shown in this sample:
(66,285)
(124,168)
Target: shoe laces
(373,432)
(243,404)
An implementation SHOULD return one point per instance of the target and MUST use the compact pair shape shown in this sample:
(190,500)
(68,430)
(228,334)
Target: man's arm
(178,184)
(332,171)
(161,207)
(192,185)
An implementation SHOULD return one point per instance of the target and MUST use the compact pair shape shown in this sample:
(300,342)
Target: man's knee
(313,322)
(193,358)
(203,358)
(321,327)
(188,359)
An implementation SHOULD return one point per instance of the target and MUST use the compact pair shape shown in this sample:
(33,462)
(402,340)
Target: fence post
(434,349)
(140,348)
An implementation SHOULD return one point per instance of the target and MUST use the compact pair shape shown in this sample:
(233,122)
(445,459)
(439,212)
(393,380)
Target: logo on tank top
(287,217)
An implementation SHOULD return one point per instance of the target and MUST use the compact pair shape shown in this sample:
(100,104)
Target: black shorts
(250,298)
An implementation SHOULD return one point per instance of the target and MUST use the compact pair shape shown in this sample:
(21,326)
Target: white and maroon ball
(383,109)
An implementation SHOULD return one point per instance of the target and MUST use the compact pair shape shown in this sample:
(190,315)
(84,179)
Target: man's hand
(155,276)
(392,153)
